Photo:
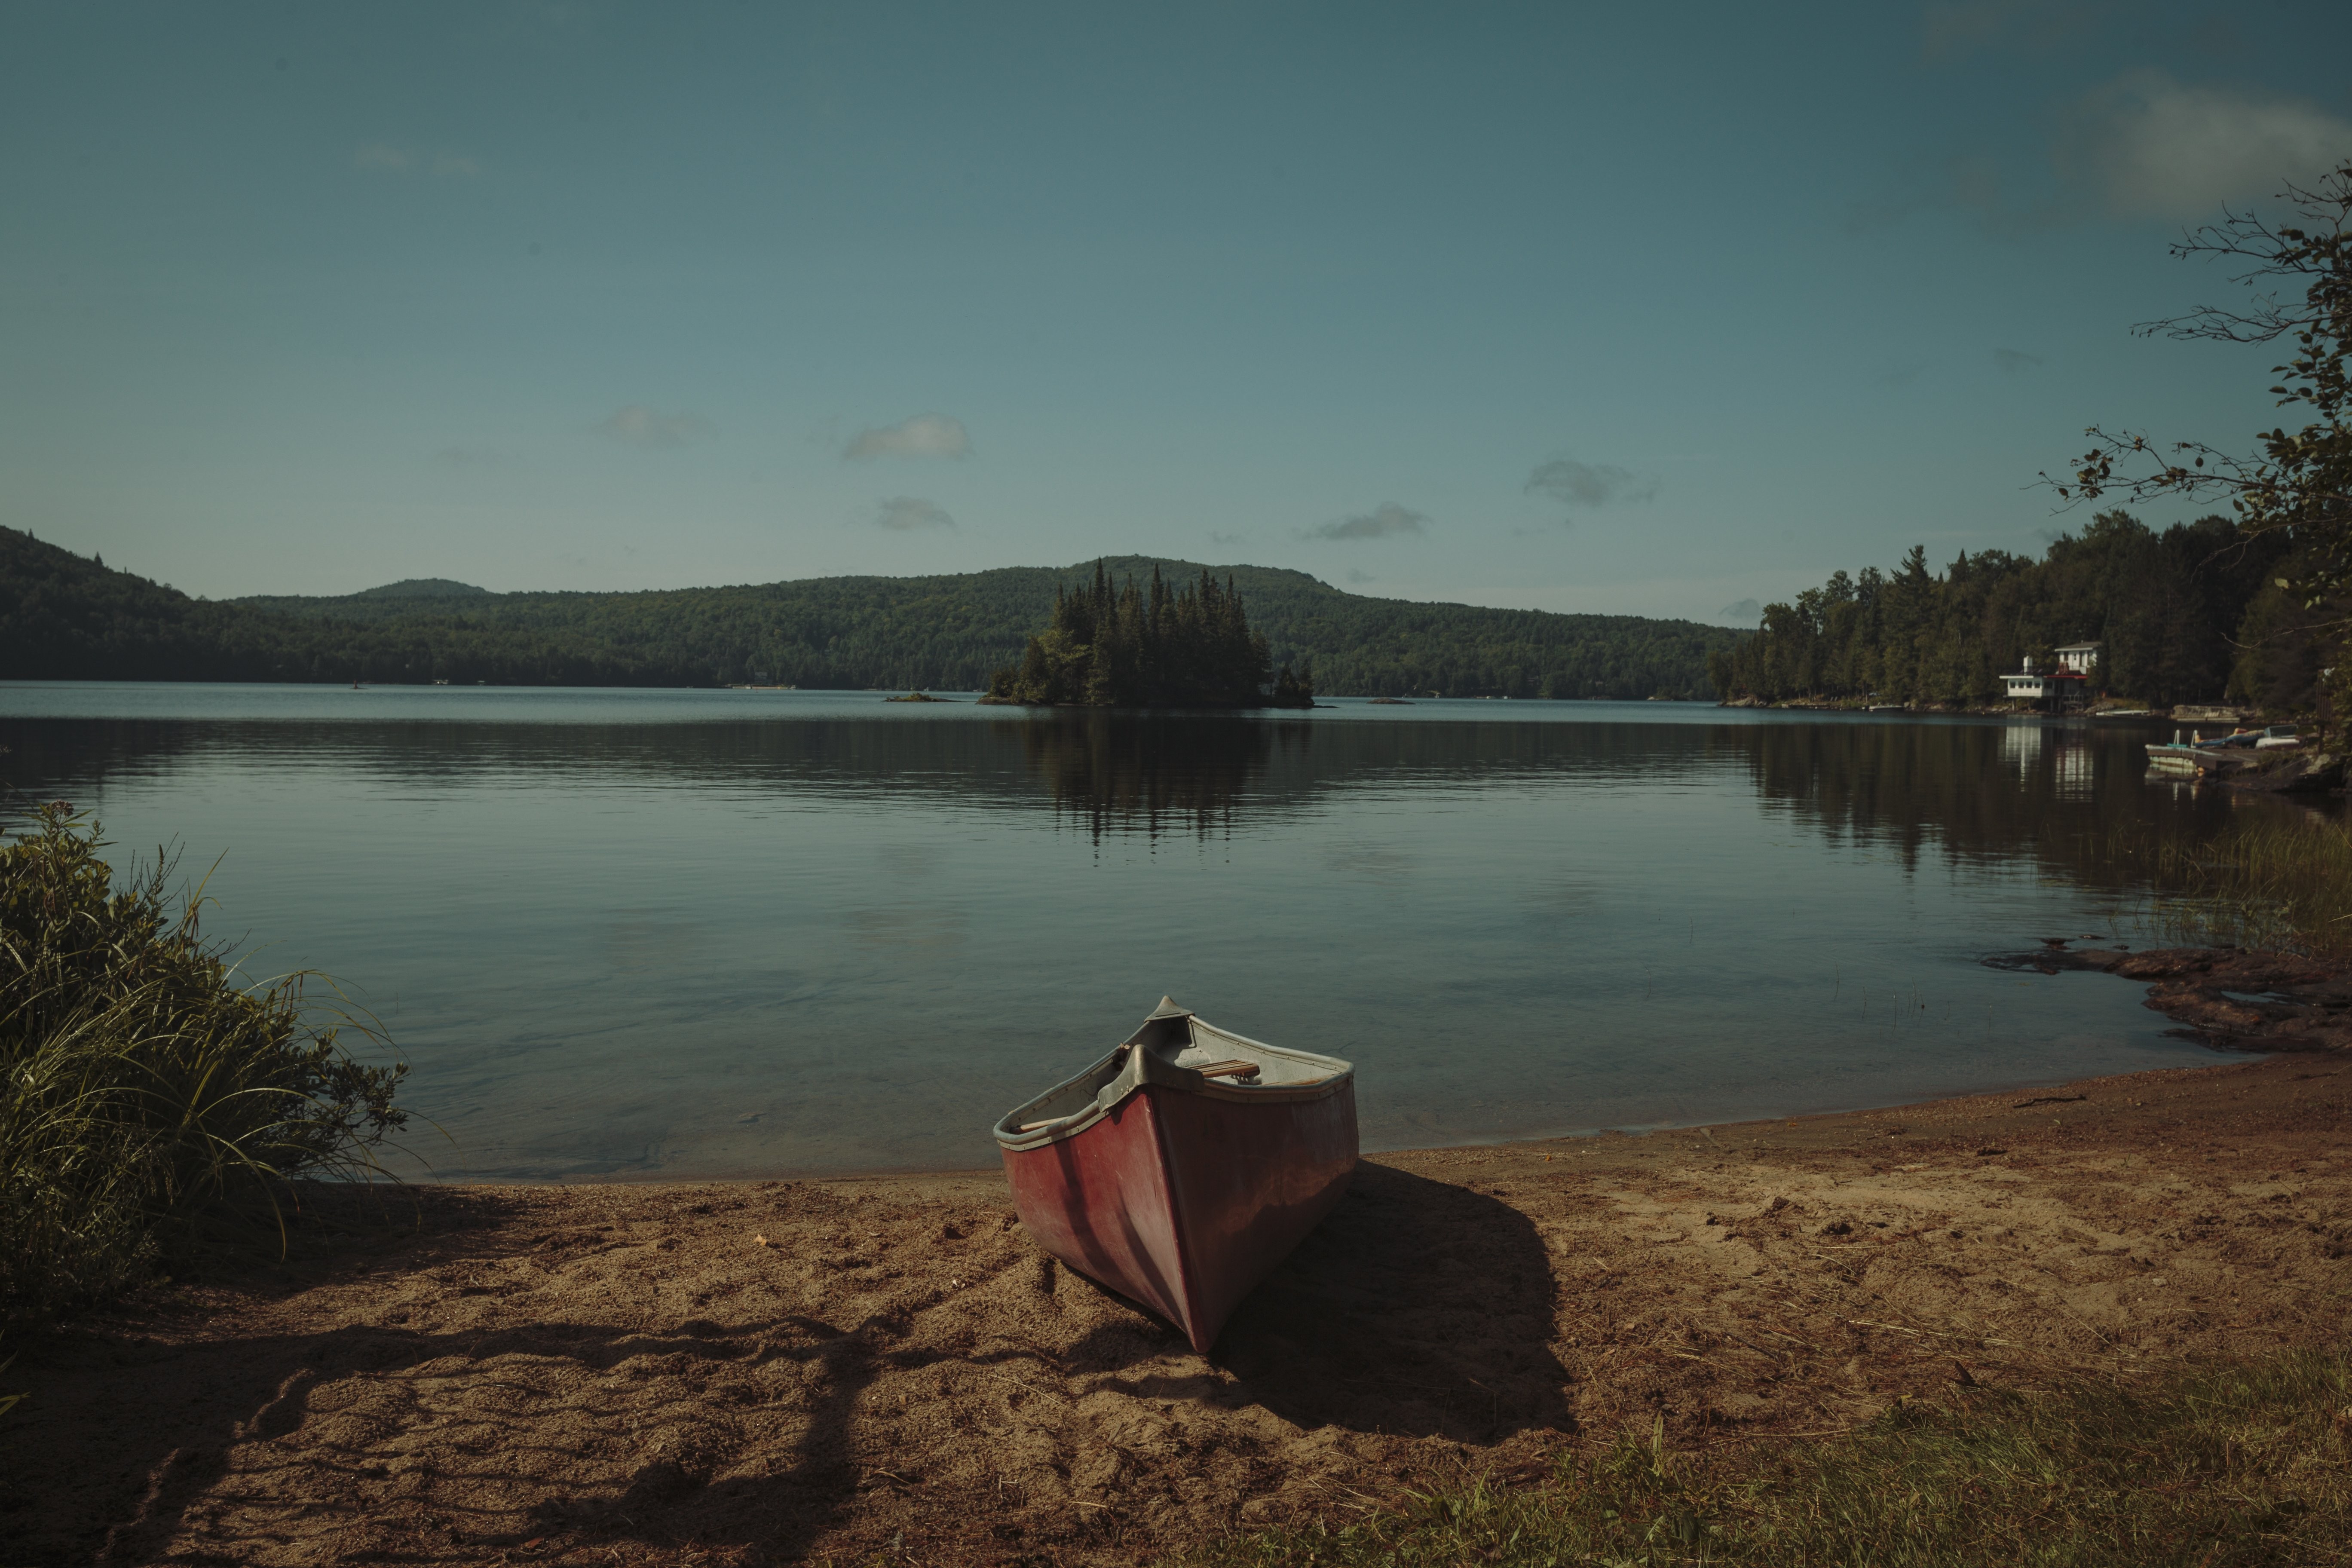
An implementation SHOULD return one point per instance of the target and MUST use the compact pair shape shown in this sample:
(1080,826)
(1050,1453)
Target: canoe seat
(1236,1067)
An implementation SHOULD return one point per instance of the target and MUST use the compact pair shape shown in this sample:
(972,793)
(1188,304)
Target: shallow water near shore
(730,933)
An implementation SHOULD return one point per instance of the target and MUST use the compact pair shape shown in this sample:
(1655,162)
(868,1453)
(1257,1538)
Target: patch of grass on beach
(153,1105)
(2275,884)
(2222,1466)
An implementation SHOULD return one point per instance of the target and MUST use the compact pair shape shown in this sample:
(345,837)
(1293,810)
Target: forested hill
(63,617)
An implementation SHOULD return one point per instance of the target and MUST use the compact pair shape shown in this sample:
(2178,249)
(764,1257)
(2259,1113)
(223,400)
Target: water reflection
(726,943)
(2058,798)
(1128,774)
(1971,792)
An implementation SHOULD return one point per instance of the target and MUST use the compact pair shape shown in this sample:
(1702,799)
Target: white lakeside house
(2067,681)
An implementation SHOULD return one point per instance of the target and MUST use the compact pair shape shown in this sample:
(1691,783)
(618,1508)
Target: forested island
(1186,647)
(2190,614)
(69,617)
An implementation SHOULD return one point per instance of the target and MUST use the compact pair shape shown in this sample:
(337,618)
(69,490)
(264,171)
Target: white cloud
(904,514)
(1383,521)
(456,166)
(924,435)
(638,426)
(379,155)
(1588,484)
(2153,147)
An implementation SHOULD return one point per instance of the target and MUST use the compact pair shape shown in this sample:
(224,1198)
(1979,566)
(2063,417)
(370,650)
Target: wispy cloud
(385,158)
(1954,29)
(471,457)
(638,426)
(904,514)
(1969,182)
(1588,484)
(1742,613)
(2143,145)
(1227,539)
(1384,521)
(924,435)
(2015,361)
(2148,146)
(1356,576)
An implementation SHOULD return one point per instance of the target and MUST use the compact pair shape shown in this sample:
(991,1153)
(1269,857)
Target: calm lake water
(690,933)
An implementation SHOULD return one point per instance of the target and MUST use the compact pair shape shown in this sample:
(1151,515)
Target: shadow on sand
(1419,1309)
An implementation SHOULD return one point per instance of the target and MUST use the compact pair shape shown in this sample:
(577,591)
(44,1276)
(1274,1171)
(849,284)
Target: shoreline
(882,1362)
(2205,990)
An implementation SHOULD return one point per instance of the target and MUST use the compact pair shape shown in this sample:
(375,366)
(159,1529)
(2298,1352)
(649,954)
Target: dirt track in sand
(614,1375)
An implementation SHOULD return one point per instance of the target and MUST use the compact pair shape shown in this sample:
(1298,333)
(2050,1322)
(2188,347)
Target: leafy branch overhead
(2297,482)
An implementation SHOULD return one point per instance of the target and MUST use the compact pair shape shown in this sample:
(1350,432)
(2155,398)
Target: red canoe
(1181,1168)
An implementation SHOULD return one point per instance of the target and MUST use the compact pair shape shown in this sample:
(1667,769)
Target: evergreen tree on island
(1126,647)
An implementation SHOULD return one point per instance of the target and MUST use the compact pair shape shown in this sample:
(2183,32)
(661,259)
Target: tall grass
(2276,883)
(155,1104)
(2223,1468)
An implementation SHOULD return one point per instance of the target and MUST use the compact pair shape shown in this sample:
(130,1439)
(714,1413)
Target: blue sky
(1645,308)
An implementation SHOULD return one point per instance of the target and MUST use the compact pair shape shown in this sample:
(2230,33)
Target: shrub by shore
(155,1102)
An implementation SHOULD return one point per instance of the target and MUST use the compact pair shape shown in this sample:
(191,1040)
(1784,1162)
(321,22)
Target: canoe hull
(1184,1202)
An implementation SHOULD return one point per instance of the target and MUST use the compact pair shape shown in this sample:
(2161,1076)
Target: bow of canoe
(1180,1169)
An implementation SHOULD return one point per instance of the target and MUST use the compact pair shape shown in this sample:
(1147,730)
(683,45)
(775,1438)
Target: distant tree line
(2176,612)
(64,616)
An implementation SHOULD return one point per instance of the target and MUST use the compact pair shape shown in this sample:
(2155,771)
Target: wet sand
(776,1371)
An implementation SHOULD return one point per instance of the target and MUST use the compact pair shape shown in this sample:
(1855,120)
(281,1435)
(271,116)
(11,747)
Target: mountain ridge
(62,617)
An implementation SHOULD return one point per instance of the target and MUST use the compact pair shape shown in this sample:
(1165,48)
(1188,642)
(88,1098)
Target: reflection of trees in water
(2062,796)
(1120,773)
(2068,797)
(1126,773)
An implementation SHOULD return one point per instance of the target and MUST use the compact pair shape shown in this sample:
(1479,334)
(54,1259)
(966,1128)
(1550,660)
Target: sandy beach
(776,1371)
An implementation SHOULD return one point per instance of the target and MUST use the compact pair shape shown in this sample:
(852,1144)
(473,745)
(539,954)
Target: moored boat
(2198,756)
(1182,1167)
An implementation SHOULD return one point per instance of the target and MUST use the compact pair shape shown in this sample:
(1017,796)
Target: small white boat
(2198,757)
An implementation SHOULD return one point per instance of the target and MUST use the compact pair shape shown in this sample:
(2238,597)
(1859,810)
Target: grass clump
(155,1105)
(2224,1467)
(2277,884)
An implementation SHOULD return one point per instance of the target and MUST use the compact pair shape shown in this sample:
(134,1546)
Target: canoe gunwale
(1136,1063)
